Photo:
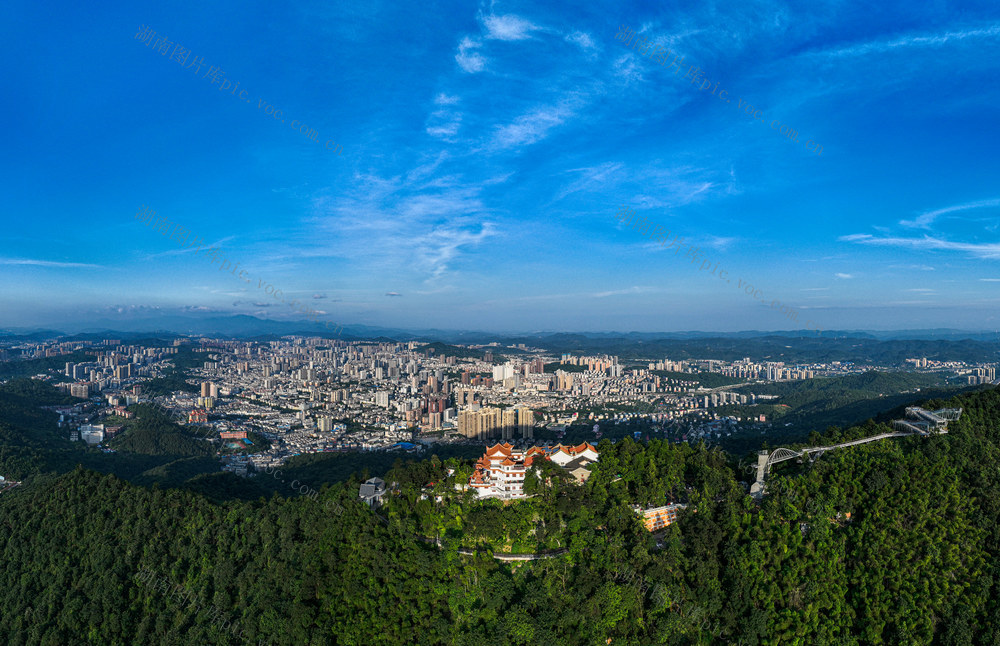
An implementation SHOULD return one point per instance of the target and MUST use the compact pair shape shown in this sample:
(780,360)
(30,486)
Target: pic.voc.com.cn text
(179,54)
(651,229)
(181,235)
(661,55)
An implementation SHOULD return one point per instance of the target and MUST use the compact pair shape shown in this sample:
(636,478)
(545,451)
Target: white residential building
(92,434)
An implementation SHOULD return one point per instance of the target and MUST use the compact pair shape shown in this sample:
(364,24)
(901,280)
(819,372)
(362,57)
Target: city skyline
(480,154)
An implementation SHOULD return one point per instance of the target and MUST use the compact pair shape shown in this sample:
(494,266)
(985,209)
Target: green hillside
(916,562)
(31,443)
(28,367)
(814,404)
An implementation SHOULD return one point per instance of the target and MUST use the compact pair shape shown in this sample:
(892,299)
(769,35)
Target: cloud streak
(468,58)
(49,263)
(985,250)
(932,40)
(508,27)
(925,220)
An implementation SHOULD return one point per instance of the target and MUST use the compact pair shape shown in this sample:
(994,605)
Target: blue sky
(486,148)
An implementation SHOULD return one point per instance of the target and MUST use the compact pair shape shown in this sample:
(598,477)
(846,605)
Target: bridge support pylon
(757,488)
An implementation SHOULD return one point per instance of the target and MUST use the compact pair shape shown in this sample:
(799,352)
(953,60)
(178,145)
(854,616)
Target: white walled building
(500,472)
(92,434)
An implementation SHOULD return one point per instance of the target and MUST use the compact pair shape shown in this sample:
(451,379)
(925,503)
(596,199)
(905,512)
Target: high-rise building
(505,371)
(526,422)
(488,423)
(509,424)
(512,383)
(480,425)
(468,423)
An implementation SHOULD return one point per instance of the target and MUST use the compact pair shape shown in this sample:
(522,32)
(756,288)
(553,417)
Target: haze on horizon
(486,148)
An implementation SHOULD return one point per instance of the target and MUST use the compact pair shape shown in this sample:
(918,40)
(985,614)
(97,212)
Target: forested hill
(894,542)
(31,443)
(809,404)
(806,348)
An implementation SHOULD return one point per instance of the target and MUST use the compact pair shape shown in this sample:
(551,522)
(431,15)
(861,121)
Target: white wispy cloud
(447,124)
(508,27)
(581,39)
(908,41)
(225,292)
(49,263)
(619,292)
(593,178)
(440,289)
(445,121)
(990,280)
(439,247)
(916,267)
(844,276)
(980,250)
(925,220)
(421,231)
(130,309)
(531,127)
(629,68)
(720,243)
(468,58)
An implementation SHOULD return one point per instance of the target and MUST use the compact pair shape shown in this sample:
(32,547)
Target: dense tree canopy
(893,542)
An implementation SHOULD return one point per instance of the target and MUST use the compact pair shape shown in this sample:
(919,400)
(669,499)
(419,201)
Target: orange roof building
(500,472)
(562,455)
(659,517)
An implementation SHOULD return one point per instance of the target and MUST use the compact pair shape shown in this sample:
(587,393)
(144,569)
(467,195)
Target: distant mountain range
(249,327)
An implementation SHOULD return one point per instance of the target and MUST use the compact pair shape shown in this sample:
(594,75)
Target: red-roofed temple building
(500,472)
